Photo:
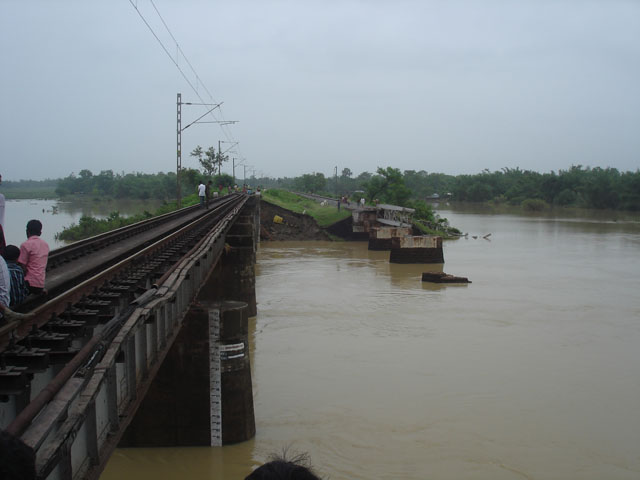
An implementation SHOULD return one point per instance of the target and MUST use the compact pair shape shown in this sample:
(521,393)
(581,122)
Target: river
(56,215)
(530,372)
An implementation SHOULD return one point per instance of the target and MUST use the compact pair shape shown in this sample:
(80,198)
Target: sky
(456,86)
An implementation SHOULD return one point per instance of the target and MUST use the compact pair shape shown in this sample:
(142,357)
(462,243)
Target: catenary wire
(226,133)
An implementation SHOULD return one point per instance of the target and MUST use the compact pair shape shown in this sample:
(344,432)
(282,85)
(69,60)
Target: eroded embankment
(294,226)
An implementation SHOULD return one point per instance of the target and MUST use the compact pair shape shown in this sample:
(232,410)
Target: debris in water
(441,277)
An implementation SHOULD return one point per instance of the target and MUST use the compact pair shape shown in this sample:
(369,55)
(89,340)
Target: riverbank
(280,224)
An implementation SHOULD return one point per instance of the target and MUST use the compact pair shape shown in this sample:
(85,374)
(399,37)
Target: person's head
(11,253)
(279,468)
(17,460)
(209,182)
(34,227)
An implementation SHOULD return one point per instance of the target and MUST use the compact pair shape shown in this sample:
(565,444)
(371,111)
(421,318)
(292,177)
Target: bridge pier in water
(234,275)
(421,249)
(202,393)
(380,237)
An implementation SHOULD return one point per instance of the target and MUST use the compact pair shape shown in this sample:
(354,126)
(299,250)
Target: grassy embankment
(324,215)
(427,221)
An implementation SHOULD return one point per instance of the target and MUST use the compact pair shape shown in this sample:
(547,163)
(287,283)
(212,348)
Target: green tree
(197,152)
(85,181)
(388,187)
(219,159)
(209,162)
(223,179)
(104,182)
(311,182)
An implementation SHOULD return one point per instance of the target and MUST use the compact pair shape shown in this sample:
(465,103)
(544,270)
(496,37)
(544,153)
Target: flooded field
(56,215)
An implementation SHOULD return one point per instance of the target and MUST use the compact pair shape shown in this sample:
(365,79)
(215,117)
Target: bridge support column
(419,249)
(202,394)
(234,276)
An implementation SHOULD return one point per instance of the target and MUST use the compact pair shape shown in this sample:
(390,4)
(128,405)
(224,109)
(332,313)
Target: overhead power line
(179,50)
(162,45)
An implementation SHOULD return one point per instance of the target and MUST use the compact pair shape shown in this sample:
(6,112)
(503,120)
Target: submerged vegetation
(90,226)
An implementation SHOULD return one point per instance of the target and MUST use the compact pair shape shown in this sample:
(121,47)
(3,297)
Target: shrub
(566,197)
(534,205)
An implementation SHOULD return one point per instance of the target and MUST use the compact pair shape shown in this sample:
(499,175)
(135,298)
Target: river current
(530,372)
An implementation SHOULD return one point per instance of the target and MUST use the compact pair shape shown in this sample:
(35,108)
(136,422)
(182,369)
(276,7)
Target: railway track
(89,284)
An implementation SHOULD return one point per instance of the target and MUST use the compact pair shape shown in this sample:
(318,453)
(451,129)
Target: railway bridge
(155,313)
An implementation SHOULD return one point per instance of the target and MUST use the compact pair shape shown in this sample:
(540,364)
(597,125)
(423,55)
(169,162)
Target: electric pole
(179,131)
(179,152)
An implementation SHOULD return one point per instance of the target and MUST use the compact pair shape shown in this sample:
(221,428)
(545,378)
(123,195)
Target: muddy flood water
(530,372)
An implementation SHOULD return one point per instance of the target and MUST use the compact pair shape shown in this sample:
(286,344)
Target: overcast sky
(444,86)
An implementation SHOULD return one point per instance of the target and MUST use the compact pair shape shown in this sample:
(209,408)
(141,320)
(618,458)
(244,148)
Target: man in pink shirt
(33,257)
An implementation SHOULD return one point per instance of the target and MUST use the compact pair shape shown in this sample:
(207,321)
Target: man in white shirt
(202,192)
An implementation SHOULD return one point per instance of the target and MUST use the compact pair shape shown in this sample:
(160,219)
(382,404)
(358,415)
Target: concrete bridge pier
(202,394)
(234,276)
(416,249)
(380,237)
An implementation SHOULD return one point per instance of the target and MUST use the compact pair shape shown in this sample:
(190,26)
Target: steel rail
(18,330)
(69,252)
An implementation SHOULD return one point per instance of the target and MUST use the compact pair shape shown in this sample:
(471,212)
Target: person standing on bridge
(202,193)
(19,290)
(34,254)
(5,288)
(3,243)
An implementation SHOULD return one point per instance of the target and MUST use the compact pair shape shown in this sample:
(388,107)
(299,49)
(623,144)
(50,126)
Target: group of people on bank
(22,269)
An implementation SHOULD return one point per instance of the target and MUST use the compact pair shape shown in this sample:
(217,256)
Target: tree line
(578,186)
(138,185)
(584,187)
